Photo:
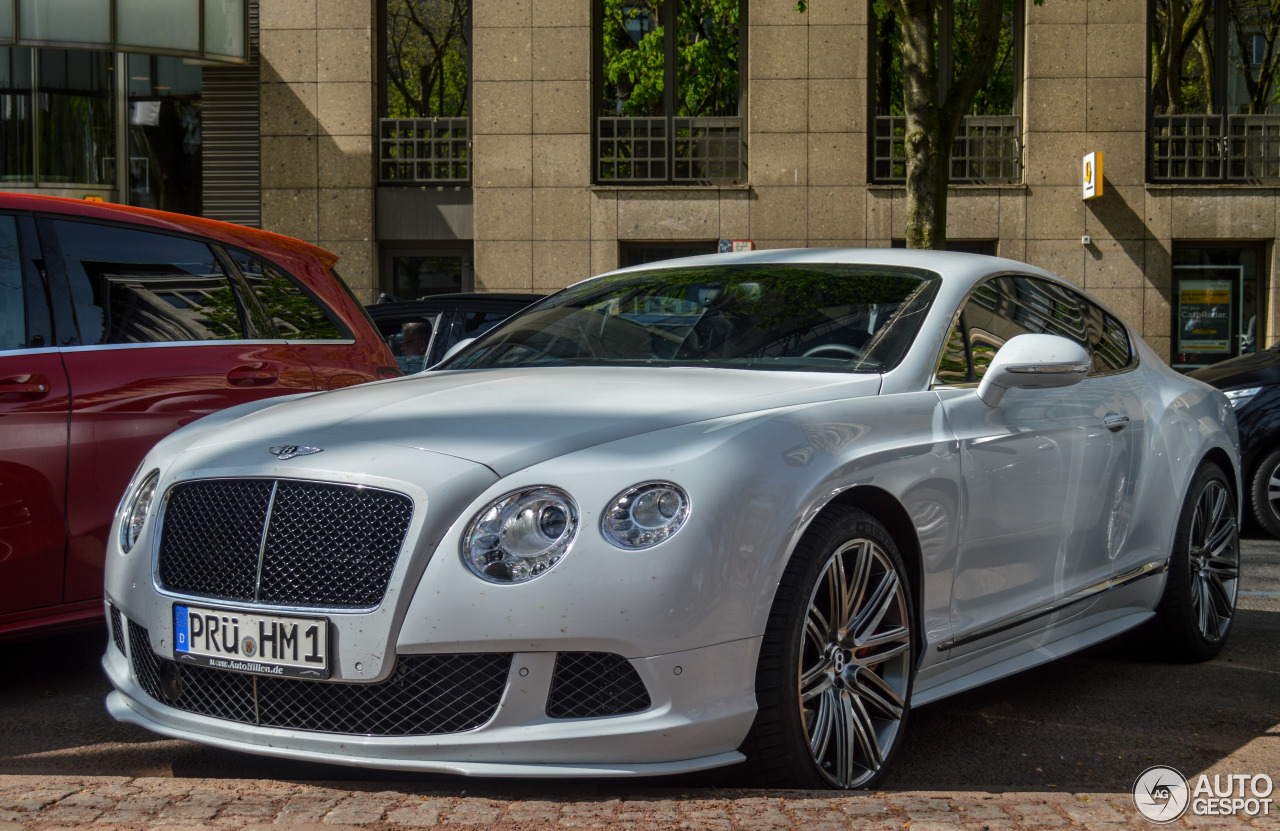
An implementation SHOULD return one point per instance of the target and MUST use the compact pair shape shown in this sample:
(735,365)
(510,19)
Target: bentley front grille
(594,684)
(425,695)
(283,542)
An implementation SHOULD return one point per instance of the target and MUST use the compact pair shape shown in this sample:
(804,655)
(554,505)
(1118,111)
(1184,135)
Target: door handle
(253,375)
(1115,422)
(30,386)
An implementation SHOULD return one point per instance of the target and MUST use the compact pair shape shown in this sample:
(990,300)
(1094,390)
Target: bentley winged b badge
(288,451)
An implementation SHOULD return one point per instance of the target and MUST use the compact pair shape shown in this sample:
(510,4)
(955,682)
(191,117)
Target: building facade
(542,141)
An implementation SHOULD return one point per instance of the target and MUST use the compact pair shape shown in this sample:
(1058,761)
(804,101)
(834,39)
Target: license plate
(297,647)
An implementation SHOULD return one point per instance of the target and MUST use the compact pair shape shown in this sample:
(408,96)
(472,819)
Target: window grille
(1253,147)
(987,150)
(706,150)
(424,150)
(1187,147)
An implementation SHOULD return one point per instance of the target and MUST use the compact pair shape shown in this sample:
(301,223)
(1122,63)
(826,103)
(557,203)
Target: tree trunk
(927,156)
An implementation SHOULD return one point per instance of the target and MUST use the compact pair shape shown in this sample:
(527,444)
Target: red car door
(165,338)
(34,400)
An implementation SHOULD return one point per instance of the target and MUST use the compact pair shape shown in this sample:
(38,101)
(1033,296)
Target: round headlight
(519,536)
(136,510)
(645,515)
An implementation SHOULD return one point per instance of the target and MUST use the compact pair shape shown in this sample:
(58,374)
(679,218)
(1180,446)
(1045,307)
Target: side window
(132,286)
(1003,308)
(954,367)
(475,324)
(296,314)
(24,311)
(1109,342)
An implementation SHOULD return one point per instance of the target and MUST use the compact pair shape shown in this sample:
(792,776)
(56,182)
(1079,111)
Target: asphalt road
(1088,723)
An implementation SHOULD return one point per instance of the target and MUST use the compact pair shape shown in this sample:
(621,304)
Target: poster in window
(1204,316)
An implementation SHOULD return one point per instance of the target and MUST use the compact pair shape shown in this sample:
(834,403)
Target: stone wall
(319,100)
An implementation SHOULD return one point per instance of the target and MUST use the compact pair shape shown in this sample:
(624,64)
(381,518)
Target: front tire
(1199,601)
(833,683)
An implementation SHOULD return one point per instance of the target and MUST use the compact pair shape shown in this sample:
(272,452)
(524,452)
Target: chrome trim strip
(1146,570)
(104,347)
(43,350)
(262,544)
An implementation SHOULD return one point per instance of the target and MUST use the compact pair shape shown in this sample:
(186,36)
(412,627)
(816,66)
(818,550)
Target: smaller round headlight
(520,535)
(136,510)
(645,515)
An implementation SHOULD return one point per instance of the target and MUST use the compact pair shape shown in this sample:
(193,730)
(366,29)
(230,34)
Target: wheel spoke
(1225,568)
(1222,536)
(837,591)
(1223,607)
(1273,486)
(859,579)
(894,642)
(871,615)
(875,691)
(820,729)
(816,628)
(865,730)
(844,736)
(816,680)
(1202,599)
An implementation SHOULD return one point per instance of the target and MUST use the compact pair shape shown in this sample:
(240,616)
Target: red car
(118,326)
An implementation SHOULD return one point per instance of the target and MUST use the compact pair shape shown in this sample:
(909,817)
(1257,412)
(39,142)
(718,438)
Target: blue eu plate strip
(181,639)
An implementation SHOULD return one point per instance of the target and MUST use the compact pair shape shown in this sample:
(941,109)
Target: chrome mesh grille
(117,631)
(326,545)
(425,695)
(594,684)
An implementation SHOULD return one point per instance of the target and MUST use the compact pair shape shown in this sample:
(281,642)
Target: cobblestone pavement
(43,803)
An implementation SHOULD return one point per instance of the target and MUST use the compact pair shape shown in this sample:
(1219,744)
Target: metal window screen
(1253,147)
(632,149)
(987,149)
(1187,147)
(707,150)
(416,150)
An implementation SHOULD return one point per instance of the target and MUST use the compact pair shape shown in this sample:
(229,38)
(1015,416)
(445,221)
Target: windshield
(814,317)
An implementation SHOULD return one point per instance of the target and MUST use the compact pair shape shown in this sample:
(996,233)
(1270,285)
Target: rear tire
(1265,493)
(1200,593)
(833,683)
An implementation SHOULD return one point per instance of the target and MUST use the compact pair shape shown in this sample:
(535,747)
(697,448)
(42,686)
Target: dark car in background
(1252,383)
(118,326)
(420,332)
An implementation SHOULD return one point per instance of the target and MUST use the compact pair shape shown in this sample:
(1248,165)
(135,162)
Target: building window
(414,271)
(988,145)
(425,128)
(1216,306)
(668,92)
(165,134)
(642,253)
(1215,99)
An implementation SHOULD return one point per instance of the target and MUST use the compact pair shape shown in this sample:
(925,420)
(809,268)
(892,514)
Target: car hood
(1244,371)
(510,419)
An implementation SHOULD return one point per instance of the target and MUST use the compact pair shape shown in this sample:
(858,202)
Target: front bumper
(702,704)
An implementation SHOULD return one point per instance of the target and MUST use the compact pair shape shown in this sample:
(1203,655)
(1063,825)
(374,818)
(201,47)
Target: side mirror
(455,349)
(1033,362)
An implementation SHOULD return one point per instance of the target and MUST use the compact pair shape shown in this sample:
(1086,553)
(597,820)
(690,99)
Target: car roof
(263,242)
(458,300)
(951,265)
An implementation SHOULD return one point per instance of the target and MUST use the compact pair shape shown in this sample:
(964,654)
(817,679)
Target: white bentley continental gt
(736,508)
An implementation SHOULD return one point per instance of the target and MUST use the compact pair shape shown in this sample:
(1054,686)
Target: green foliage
(425,55)
(705,59)
(996,98)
